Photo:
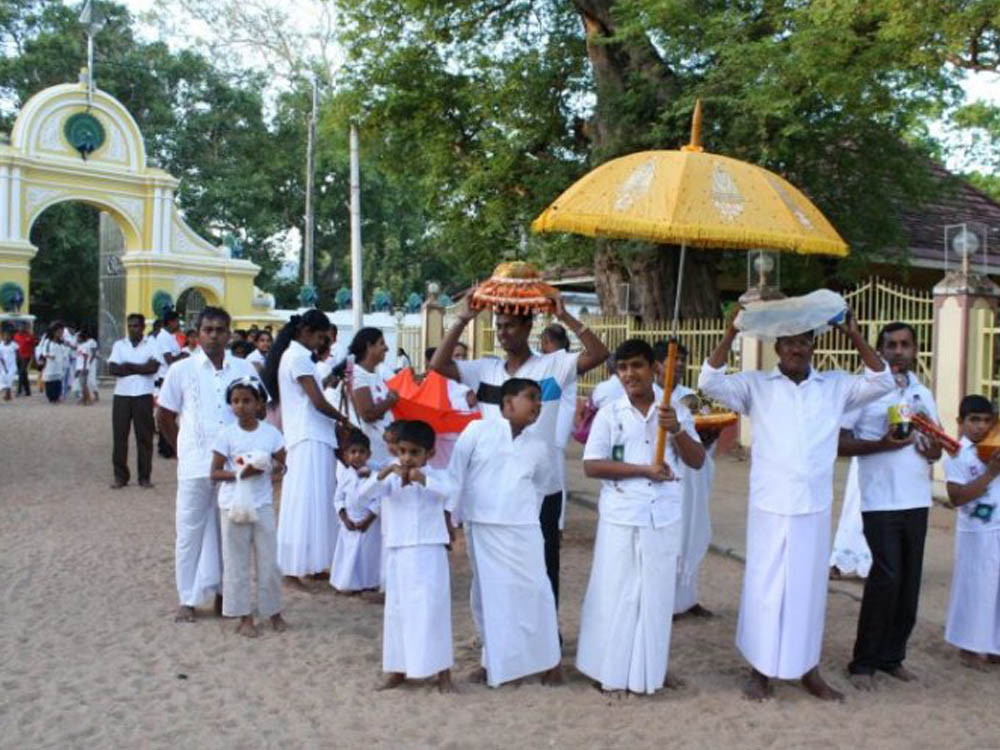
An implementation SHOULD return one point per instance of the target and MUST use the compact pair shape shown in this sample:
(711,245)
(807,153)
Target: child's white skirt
(974,605)
(357,559)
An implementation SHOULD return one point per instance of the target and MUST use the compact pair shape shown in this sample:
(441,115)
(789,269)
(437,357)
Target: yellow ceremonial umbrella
(690,197)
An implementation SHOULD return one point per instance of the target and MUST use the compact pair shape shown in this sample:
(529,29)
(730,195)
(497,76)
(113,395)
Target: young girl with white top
(357,559)
(307,526)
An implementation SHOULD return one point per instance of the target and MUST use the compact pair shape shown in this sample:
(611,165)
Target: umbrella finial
(695,144)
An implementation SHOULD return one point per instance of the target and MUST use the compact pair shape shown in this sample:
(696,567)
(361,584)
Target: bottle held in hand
(899,421)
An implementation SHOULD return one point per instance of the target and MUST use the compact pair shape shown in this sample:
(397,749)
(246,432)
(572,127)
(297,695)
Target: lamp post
(763,277)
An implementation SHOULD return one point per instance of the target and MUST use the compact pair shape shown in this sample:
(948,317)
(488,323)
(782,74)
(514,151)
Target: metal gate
(111,311)
(189,306)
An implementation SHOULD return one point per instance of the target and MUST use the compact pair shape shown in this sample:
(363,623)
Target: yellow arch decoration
(39,168)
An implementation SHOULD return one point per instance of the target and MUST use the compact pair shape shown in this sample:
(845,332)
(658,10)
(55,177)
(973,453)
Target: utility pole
(356,298)
(308,254)
(90,20)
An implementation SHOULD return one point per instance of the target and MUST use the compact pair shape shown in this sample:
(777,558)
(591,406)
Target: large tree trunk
(650,270)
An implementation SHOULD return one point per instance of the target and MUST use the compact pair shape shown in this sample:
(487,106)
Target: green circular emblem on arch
(84,133)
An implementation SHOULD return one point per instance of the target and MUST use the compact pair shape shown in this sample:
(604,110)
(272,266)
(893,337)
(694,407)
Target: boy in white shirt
(627,612)
(416,504)
(974,607)
(501,475)
(230,449)
(357,557)
(8,360)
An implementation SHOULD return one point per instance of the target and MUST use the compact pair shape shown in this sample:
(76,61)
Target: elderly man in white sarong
(501,471)
(796,414)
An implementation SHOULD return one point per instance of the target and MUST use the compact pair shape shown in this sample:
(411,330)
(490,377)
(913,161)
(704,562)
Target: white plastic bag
(815,312)
(244,508)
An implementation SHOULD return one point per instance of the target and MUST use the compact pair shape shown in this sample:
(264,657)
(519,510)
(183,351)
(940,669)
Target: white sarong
(974,603)
(626,619)
(780,629)
(850,549)
(307,524)
(357,559)
(513,605)
(198,547)
(416,627)
(696,532)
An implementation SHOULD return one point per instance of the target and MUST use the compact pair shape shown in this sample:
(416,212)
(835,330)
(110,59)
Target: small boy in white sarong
(626,619)
(233,445)
(357,558)
(974,607)
(501,474)
(416,503)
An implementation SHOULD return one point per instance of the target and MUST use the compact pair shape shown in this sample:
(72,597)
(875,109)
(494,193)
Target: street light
(966,240)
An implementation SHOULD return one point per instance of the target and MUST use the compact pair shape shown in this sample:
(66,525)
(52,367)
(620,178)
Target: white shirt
(300,419)
(124,353)
(8,358)
(86,355)
(56,358)
(620,432)
(233,441)
(354,493)
(607,391)
(413,514)
(982,514)
(896,479)
(256,358)
(795,429)
(196,391)
(166,342)
(500,479)
(553,372)
(378,391)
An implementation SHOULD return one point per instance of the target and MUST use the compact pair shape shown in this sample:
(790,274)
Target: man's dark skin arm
(166,423)
(122,370)
(848,445)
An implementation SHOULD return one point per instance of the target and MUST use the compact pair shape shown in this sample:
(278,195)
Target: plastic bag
(244,508)
(815,311)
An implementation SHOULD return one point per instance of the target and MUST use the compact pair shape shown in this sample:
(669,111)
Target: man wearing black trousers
(134,361)
(894,473)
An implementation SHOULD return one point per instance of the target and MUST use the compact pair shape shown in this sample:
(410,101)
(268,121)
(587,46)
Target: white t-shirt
(607,391)
(898,479)
(196,391)
(413,515)
(56,359)
(256,358)
(124,353)
(553,372)
(166,342)
(378,391)
(981,514)
(86,355)
(620,432)
(300,419)
(233,441)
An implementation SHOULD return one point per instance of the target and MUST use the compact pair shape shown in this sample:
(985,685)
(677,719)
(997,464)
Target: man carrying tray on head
(796,414)
(516,292)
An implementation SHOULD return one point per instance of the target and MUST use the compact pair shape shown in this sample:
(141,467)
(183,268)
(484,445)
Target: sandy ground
(90,656)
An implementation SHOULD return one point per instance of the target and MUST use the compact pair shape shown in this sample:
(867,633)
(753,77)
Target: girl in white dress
(372,398)
(307,525)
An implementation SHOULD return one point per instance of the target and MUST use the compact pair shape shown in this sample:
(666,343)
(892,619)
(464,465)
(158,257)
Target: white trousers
(197,551)
(783,605)
(513,605)
(974,603)
(416,626)
(307,524)
(627,612)
(237,540)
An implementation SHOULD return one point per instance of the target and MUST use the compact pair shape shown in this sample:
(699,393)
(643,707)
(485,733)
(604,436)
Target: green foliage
(64,272)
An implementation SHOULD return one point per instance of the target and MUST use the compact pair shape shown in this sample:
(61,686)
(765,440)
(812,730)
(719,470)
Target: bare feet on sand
(301,584)
(864,682)
(816,686)
(246,628)
(444,682)
(673,682)
(184,614)
(477,676)
(695,611)
(278,624)
(993,658)
(393,680)
(218,605)
(374,597)
(757,687)
(972,660)
(902,674)
(553,677)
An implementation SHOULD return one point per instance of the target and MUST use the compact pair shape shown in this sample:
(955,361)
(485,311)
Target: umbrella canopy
(693,198)
(428,401)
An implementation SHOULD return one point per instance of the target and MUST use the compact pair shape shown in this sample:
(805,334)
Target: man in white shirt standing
(554,372)
(192,411)
(134,361)
(894,476)
(170,351)
(796,414)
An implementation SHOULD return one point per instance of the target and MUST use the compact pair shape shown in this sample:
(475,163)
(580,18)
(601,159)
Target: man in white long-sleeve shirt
(796,414)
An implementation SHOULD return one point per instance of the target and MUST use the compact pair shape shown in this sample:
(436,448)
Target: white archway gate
(61,150)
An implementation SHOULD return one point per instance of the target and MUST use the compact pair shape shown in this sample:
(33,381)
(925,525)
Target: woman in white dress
(372,398)
(307,525)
